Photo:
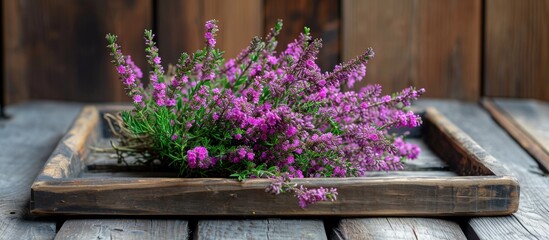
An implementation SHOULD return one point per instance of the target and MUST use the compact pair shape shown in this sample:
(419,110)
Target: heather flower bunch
(263,114)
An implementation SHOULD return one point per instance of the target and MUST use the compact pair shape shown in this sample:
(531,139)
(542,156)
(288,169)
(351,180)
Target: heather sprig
(263,114)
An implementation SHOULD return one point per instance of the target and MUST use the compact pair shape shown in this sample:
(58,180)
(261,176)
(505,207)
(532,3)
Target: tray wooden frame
(484,187)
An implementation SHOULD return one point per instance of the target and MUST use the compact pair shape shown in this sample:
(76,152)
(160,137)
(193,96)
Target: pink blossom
(137,98)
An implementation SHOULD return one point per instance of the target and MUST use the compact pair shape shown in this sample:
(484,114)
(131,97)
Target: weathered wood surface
(527,121)
(531,221)
(260,229)
(322,16)
(367,196)
(180,25)
(138,229)
(418,43)
(56,49)
(516,49)
(26,141)
(463,154)
(397,228)
(66,160)
(57,191)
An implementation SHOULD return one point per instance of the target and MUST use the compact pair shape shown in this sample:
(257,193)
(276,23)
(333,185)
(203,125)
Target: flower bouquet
(263,114)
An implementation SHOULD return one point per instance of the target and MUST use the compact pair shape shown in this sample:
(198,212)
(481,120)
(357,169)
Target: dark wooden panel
(137,229)
(180,25)
(260,229)
(531,221)
(430,44)
(59,50)
(322,16)
(15,70)
(517,49)
(398,228)
(25,143)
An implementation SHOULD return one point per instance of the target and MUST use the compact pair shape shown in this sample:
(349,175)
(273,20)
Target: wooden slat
(463,154)
(260,229)
(423,43)
(57,48)
(516,42)
(15,76)
(360,196)
(527,122)
(26,141)
(138,229)
(322,16)
(397,228)
(66,160)
(181,25)
(531,221)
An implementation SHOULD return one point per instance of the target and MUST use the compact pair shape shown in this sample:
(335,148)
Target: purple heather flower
(170,102)
(290,159)
(160,102)
(237,136)
(137,98)
(130,80)
(136,70)
(209,38)
(174,137)
(272,60)
(154,78)
(309,196)
(156,60)
(121,70)
(209,35)
(202,152)
(210,25)
(198,157)
(291,131)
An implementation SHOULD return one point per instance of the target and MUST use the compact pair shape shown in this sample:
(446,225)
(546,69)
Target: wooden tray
(454,176)
(526,120)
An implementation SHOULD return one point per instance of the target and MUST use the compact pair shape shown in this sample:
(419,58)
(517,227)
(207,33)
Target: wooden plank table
(29,136)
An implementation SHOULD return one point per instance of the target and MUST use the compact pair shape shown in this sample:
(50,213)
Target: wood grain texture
(66,160)
(463,154)
(531,221)
(26,141)
(181,25)
(58,47)
(322,16)
(516,41)
(527,122)
(373,196)
(138,229)
(14,75)
(422,43)
(397,228)
(260,229)
(58,191)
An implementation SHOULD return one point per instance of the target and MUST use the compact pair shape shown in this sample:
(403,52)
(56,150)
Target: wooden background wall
(461,49)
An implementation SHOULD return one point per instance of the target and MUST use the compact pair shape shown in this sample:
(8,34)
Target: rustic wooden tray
(526,121)
(454,176)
